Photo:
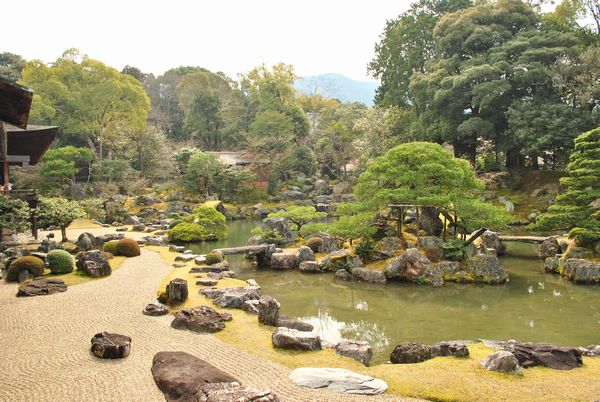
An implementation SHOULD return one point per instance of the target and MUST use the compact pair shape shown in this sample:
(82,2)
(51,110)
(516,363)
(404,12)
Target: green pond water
(532,306)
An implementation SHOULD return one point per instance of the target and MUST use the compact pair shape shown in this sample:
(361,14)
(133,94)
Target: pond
(532,306)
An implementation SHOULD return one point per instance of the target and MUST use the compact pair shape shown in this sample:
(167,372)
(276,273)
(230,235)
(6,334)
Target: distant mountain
(339,87)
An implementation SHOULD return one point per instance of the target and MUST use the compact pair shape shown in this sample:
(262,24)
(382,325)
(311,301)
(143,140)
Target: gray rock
(543,354)
(177,249)
(185,257)
(389,246)
(256,240)
(590,351)
(85,241)
(221,275)
(309,267)
(411,352)
(293,195)
(369,275)
(232,297)
(106,345)
(132,220)
(343,275)
(321,188)
(42,286)
(200,319)
(457,349)
(503,362)
(305,254)
(180,375)
(155,309)
(207,282)
(252,282)
(94,263)
(342,188)
(295,324)
(218,267)
(359,351)
(581,271)
(549,248)
(279,225)
(232,392)
(250,306)
(154,241)
(413,267)
(491,240)
(578,252)
(268,310)
(337,380)
(139,227)
(177,291)
(552,265)
(341,259)
(282,261)
(287,338)
(486,269)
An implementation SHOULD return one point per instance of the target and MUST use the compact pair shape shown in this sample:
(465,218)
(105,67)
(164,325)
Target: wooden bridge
(523,239)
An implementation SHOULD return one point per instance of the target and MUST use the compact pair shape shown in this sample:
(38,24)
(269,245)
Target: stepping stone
(155,309)
(207,282)
(176,249)
(42,287)
(233,391)
(106,345)
(338,380)
(185,257)
(221,275)
(178,265)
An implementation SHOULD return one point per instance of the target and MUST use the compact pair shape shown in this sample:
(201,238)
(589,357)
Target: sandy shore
(45,344)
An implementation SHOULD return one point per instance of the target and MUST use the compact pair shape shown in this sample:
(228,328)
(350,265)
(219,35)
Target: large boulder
(268,311)
(155,309)
(359,351)
(200,319)
(280,226)
(106,345)
(369,275)
(287,338)
(543,354)
(180,375)
(389,246)
(321,188)
(85,241)
(309,267)
(343,275)
(503,362)
(233,392)
(341,259)
(232,297)
(486,269)
(549,248)
(282,261)
(42,286)
(581,271)
(338,380)
(552,265)
(305,254)
(491,240)
(295,324)
(430,221)
(411,352)
(94,263)
(177,291)
(413,267)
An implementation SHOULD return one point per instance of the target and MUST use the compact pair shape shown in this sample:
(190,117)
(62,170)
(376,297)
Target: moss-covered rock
(33,265)
(60,262)
(111,247)
(128,248)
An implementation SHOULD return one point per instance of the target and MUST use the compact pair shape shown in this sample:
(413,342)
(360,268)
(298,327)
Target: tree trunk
(93,148)
(63,232)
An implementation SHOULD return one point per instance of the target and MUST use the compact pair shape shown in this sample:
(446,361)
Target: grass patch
(439,379)
(83,224)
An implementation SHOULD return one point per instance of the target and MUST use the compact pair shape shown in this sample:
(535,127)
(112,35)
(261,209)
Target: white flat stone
(339,380)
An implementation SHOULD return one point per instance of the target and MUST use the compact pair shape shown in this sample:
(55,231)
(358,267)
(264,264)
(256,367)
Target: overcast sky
(231,36)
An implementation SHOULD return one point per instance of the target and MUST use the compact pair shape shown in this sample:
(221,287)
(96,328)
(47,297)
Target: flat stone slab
(200,319)
(232,297)
(179,375)
(338,380)
(221,275)
(185,257)
(41,287)
(155,309)
(233,391)
(207,282)
(106,345)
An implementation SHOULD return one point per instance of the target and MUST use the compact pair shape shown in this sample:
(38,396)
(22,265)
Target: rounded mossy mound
(111,247)
(314,243)
(187,232)
(34,265)
(175,222)
(128,248)
(214,257)
(60,262)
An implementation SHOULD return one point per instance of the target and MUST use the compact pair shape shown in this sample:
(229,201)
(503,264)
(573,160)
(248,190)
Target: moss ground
(439,379)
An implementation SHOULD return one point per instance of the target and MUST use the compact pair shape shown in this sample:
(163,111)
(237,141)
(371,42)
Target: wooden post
(400,219)
(418,225)
(4,155)
(444,233)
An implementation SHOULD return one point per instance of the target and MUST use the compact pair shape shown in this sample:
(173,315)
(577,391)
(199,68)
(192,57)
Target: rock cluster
(200,319)
(232,297)
(411,352)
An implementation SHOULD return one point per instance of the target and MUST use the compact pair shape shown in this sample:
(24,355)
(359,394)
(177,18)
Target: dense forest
(502,83)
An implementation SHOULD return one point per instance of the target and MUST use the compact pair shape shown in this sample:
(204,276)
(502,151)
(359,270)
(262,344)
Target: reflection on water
(532,306)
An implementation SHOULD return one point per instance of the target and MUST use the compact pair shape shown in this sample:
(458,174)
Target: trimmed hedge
(187,232)
(34,265)
(128,248)
(60,262)
(111,247)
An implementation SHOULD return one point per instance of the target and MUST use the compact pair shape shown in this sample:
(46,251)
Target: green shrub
(128,247)
(312,228)
(314,243)
(585,237)
(364,248)
(212,221)
(270,236)
(34,265)
(187,232)
(214,257)
(111,247)
(174,223)
(60,262)
(454,250)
